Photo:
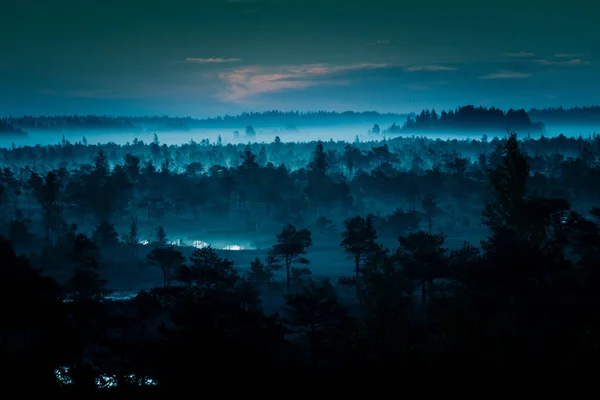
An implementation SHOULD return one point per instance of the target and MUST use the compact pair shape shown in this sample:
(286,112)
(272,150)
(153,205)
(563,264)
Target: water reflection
(200,244)
(64,377)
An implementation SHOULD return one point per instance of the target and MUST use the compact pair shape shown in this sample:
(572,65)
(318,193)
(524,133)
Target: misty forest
(144,264)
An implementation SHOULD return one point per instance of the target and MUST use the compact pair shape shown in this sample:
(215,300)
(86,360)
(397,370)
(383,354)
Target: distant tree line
(468,118)
(574,115)
(7,127)
(165,122)
(464,118)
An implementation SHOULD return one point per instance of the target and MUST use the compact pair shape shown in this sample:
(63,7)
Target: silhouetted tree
(359,244)
(425,259)
(168,260)
(161,237)
(105,235)
(210,270)
(318,314)
(86,284)
(291,247)
(250,131)
(262,273)
(429,204)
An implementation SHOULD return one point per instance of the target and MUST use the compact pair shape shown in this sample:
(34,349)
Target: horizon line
(166,115)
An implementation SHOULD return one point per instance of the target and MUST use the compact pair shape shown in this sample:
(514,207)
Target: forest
(144,266)
(465,119)
(266,118)
(470,118)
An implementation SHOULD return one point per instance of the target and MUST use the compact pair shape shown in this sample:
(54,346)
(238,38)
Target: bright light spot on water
(233,247)
(63,376)
(105,382)
(144,242)
(141,381)
(199,244)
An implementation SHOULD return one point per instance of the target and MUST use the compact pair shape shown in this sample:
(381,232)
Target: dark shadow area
(145,268)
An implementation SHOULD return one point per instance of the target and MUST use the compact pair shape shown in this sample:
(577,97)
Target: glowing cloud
(244,82)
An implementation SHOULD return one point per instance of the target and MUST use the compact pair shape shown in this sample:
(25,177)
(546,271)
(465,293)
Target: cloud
(521,54)
(574,62)
(506,75)
(568,55)
(244,82)
(212,60)
(429,68)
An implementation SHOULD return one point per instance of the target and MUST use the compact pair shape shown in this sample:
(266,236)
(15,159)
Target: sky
(212,57)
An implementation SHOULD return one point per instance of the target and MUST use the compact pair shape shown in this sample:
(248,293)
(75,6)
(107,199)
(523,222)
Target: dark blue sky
(202,58)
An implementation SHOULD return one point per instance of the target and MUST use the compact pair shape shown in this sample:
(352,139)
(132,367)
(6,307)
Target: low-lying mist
(347,133)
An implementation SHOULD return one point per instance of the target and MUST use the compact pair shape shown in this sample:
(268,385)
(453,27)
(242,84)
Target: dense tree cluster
(469,118)
(522,295)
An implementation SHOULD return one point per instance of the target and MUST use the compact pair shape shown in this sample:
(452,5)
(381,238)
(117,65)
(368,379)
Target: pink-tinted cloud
(244,82)
(506,75)
(429,68)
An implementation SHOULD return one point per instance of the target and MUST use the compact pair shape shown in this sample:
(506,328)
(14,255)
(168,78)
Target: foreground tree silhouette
(508,183)
(262,273)
(85,284)
(105,236)
(387,301)
(211,271)
(168,260)
(219,322)
(424,258)
(359,244)
(318,314)
(30,331)
(522,274)
(291,247)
